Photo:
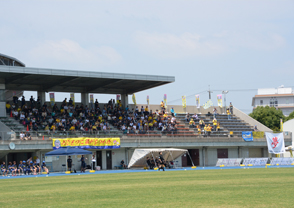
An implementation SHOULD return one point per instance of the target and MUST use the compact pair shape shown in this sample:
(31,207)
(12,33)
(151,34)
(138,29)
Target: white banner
(255,161)
(275,143)
(282,160)
(229,162)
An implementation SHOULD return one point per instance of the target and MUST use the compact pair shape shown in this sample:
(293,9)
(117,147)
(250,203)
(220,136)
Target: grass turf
(272,187)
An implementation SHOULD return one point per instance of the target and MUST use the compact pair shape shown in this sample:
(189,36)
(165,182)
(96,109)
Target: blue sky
(229,45)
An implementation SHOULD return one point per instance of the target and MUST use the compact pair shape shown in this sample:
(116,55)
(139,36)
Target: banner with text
(275,143)
(220,100)
(72,96)
(87,143)
(165,100)
(117,98)
(282,160)
(207,104)
(134,99)
(247,136)
(197,97)
(91,98)
(184,104)
(229,162)
(52,98)
(255,161)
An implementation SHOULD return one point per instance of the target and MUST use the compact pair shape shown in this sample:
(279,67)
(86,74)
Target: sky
(238,46)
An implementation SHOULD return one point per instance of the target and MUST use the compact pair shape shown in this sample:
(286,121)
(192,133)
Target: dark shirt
(69,161)
(148,162)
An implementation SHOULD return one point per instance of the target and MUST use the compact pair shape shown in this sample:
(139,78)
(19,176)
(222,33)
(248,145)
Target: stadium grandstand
(28,126)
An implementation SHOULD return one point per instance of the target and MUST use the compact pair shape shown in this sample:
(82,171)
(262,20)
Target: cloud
(68,52)
(172,46)
(166,45)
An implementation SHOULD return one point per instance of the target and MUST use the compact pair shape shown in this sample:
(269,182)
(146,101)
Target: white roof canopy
(139,156)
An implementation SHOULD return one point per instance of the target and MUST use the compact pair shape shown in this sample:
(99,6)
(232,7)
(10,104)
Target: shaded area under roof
(53,80)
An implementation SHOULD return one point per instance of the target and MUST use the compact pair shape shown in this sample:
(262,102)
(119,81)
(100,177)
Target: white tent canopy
(139,156)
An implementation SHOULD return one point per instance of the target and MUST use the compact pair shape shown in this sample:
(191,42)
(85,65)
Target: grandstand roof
(57,80)
(8,60)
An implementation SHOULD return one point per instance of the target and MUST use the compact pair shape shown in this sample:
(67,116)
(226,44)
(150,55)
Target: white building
(281,98)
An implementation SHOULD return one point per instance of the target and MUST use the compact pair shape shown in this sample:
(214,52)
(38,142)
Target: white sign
(282,161)
(229,162)
(275,143)
(255,161)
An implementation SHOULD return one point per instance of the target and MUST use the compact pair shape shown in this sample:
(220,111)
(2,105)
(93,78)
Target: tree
(291,116)
(268,116)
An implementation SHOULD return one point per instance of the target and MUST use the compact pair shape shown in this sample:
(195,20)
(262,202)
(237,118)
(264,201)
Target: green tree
(291,116)
(268,116)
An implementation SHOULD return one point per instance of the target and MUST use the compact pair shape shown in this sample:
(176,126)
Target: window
(273,102)
(287,101)
(261,102)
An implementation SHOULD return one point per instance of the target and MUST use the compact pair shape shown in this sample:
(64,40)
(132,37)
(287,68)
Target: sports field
(271,187)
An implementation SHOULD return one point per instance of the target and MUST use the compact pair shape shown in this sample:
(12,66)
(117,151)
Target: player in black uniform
(148,161)
(69,163)
(161,161)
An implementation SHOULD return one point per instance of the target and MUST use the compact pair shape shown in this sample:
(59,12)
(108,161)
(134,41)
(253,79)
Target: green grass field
(272,187)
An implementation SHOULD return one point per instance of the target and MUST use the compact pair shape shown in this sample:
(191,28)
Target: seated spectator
(195,117)
(201,123)
(21,136)
(208,129)
(172,111)
(218,126)
(28,136)
(187,117)
(150,165)
(122,164)
(255,128)
(15,114)
(44,167)
(15,168)
(8,107)
(3,169)
(192,123)
(11,169)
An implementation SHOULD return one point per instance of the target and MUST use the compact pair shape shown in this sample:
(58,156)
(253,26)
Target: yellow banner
(134,99)
(258,134)
(86,143)
(72,96)
(184,101)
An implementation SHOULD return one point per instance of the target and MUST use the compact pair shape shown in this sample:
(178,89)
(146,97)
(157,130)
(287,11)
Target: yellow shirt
(8,105)
(214,122)
(72,128)
(146,109)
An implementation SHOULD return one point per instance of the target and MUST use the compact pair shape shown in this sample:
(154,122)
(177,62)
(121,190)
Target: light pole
(224,92)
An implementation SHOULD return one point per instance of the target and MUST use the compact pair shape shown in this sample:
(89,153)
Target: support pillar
(85,98)
(42,96)
(239,152)
(2,98)
(203,156)
(124,100)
